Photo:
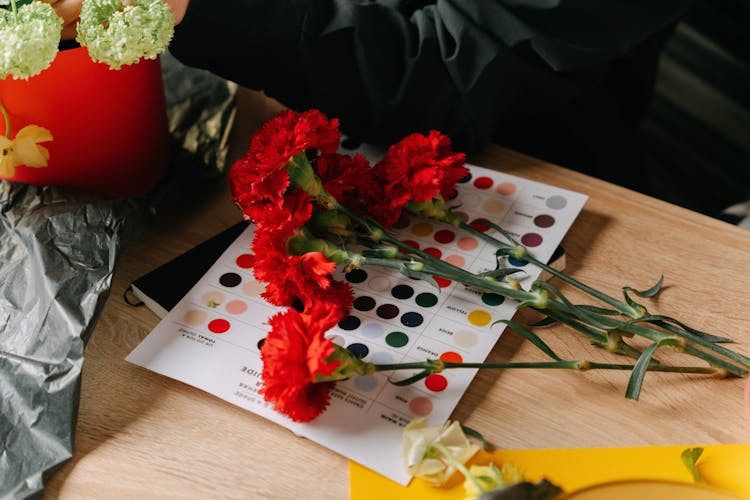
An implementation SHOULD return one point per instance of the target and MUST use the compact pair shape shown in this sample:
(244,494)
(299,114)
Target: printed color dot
(493,206)
(442,282)
(492,299)
(236,306)
(483,183)
(451,194)
(468,243)
(364,303)
(531,239)
(372,330)
(402,292)
(436,382)
(465,338)
(387,311)
(505,188)
(230,280)
(466,178)
(338,340)
(456,260)
(195,317)
(245,261)
(444,236)
(479,317)
(358,350)
(260,343)
(252,288)
(421,407)
(379,284)
(426,299)
(422,229)
(556,202)
(435,252)
(218,325)
(451,357)
(350,323)
(480,225)
(397,339)
(365,382)
(516,263)
(412,244)
(412,319)
(544,220)
(462,215)
(382,358)
(356,276)
(213,299)
(402,222)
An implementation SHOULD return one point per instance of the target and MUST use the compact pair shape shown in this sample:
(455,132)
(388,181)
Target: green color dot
(426,299)
(397,339)
(492,299)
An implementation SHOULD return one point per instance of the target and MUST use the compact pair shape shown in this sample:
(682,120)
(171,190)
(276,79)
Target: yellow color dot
(422,229)
(479,317)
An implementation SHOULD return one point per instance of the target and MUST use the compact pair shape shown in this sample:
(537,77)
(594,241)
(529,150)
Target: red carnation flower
(344,177)
(293,354)
(418,168)
(259,179)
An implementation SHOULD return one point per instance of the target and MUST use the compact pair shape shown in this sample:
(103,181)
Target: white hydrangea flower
(117,35)
(29,38)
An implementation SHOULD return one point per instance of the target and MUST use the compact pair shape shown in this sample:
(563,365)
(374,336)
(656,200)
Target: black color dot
(350,323)
(356,276)
(358,350)
(402,292)
(387,311)
(364,303)
(230,279)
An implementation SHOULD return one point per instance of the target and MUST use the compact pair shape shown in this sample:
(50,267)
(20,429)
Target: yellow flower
(425,450)
(489,477)
(24,150)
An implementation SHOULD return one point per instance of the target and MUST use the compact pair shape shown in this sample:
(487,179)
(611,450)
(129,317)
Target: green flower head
(30,37)
(117,35)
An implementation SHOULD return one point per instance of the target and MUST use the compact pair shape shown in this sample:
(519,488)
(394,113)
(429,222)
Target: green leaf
(690,458)
(579,313)
(501,273)
(531,337)
(680,328)
(475,434)
(641,366)
(545,321)
(651,292)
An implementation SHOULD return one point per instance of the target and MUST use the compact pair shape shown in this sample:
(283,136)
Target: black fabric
(537,75)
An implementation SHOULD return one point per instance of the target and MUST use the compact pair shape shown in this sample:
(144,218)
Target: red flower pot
(110,127)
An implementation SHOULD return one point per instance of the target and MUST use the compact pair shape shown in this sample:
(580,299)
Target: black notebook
(161,289)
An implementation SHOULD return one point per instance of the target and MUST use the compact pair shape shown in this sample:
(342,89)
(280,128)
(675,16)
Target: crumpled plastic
(58,250)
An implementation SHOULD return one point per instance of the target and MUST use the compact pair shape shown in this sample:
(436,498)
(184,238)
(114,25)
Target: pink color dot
(245,261)
(218,325)
(531,239)
(456,260)
(483,183)
(444,236)
(236,306)
(436,382)
(468,243)
(420,406)
(435,252)
(506,188)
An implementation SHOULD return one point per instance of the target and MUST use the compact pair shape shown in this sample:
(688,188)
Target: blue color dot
(358,350)
(412,319)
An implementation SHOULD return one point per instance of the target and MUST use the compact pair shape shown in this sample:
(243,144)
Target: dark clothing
(561,79)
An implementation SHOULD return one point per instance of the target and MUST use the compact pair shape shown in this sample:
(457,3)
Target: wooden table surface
(140,434)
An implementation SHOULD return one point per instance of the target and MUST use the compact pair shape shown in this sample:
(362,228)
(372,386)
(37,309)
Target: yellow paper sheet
(723,466)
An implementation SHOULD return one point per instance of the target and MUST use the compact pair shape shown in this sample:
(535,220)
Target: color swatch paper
(212,338)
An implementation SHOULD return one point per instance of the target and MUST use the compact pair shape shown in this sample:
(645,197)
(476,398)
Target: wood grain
(140,434)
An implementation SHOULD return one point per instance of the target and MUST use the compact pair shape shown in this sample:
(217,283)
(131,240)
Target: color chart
(212,338)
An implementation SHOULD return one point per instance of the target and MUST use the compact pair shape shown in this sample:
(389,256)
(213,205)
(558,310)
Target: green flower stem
(6,118)
(458,465)
(435,366)
(13,8)
(623,307)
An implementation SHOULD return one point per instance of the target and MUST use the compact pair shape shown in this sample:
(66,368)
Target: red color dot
(480,225)
(444,236)
(412,244)
(483,183)
(218,325)
(245,261)
(436,382)
(435,252)
(451,357)
(531,239)
(442,282)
